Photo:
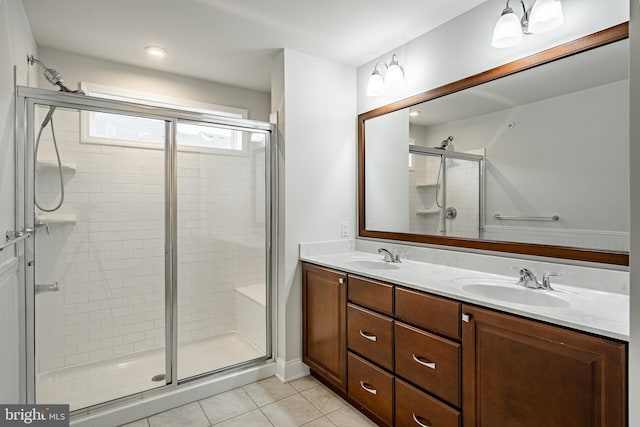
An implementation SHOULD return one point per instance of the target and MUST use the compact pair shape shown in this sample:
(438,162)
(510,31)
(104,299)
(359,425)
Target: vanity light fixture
(394,77)
(155,51)
(541,17)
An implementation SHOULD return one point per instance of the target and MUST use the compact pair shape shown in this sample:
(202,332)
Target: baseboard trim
(291,370)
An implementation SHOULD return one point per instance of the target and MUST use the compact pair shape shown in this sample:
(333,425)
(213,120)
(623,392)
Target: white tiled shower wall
(462,193)
(109,264)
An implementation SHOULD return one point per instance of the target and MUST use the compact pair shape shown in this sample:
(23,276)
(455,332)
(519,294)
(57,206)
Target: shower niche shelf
(432,211)
(52,219)
(426,186)
(52,167)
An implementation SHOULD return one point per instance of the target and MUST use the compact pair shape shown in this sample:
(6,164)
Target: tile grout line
(205,413)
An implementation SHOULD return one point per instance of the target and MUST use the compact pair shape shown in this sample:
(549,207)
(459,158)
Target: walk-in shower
(159,249)
(446,190)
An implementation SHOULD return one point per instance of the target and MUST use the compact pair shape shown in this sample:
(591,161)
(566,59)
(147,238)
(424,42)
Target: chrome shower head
(51,74)
(445,143)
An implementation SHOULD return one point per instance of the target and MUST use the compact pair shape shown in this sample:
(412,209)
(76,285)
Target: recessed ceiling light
(156,51)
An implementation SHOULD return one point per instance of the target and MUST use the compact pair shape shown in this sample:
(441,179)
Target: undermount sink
(516,295)
(370,264)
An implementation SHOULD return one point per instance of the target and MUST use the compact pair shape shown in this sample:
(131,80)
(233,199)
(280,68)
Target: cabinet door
(324,323)
(518,372)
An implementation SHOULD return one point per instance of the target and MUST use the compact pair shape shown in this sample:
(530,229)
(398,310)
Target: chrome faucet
(528,279)
(389,256)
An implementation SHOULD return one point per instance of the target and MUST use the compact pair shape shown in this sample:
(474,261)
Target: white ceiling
(232,41)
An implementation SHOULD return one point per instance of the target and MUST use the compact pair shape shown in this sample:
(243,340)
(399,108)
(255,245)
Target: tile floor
(268,403)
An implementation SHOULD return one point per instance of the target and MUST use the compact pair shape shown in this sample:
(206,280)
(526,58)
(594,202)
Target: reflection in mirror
(536,157)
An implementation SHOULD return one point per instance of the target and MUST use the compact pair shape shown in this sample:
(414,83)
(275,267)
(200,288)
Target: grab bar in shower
(13,238)
(527,218)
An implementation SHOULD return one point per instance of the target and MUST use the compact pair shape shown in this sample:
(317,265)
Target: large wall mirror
(530,158)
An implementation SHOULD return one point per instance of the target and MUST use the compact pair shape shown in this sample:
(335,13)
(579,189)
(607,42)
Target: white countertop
(598,312)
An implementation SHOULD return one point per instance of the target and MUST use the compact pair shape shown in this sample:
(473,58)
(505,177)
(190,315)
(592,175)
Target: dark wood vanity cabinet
(408,358)
(519,372)
(324,322)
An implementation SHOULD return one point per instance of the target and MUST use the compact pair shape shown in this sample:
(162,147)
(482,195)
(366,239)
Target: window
(129,131)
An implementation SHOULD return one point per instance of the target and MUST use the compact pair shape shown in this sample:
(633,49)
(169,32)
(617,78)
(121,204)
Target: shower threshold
(97,382)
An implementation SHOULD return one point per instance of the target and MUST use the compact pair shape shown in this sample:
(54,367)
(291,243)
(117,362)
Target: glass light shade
(395,74)
(545,15)
(375,87)
(508,31)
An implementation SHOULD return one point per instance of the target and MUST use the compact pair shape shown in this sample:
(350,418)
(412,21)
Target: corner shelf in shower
(431,211)
(52,219)
(426,186)
(52,167)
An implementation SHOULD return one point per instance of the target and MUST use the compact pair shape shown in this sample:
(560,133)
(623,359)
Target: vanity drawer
(370,335)
(428,312)
(415,408)
(428,361)
(371,387)
(371,294)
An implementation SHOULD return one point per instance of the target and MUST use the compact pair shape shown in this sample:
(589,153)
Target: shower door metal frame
(26,100)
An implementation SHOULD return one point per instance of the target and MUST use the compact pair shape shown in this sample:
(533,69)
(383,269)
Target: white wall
(387,173)
(79,68)
(317,153)
(462,47)
(634,256)
(16,42)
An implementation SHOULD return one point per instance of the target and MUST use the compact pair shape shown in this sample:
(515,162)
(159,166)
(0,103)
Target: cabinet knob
(415,418)
(368,336)
(466,317)
(341,281)
(430,365)
(368,388)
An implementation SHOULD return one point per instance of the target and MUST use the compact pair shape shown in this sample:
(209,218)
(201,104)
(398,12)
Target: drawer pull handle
(415,418)
(368,389)
(431,365)
(368,336)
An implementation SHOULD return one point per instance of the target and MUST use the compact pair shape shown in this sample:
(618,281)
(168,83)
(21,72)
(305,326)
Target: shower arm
(51,74)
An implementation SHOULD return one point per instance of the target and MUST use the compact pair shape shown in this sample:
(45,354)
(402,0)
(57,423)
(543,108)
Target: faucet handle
(546,282)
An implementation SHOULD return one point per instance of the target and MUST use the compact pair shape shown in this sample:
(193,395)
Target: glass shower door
(222,254)
(99,289)
(461,213)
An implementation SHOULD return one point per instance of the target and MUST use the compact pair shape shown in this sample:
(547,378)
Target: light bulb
(508,30)
(545,15)
(375,87)
(155,51)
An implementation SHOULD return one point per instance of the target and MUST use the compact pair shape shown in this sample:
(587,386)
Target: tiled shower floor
(89,384)
(266,403)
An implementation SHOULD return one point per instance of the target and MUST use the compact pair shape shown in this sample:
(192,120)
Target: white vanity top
(598,312)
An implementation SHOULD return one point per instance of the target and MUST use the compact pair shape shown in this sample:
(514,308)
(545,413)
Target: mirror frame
(592,41)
